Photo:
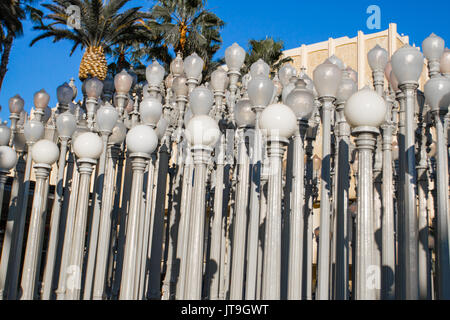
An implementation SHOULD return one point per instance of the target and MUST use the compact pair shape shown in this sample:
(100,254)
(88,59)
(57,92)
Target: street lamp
(365,111)
(44,153)
(437,94)
(327,77)
(41,100)
(286,73)
(8,159)
(193,67)
(16,105)
(122,82)
(433,48)
(94,88)
(154,74)
(279,123)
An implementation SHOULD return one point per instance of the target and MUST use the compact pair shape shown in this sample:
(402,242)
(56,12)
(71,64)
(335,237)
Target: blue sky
(46,65)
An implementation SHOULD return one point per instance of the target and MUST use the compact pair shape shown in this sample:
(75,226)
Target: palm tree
(269,50)
(101,27)
(186,26)
(12,13)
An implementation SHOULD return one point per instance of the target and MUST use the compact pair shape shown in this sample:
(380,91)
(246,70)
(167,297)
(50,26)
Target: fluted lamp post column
(301,101)
(88,148)
(327,77)
(44,153)
(407,65)
(279,123)
(437,94)
(202,132)
(365,111)
(141,142)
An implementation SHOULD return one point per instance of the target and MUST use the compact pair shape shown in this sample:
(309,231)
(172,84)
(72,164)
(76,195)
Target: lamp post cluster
(181,190)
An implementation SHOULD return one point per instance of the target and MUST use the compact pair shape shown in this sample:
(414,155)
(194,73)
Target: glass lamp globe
(202,130)
(259,68)
(378,58)
(260,90)
(123,82)
(336,61)
(286,72)
(437,93)
(179,86)
(301,101)
(193,66)
(244,114)
(393,81)
(66,124)
(88,145)
(41,99)
(161,127)
(154,73)
(45,152)
(309,83)
(151,111)
(433,47)
(287,91)
(327,77)
(234,57)
(352,74)
(407,64)
(8,158)
(118,134)
(278,120)
(64,94)
(346,89)
(365,108)
(107,117)
(16,104)
(445,62)
(219,79)
(5,134)
(33,131)
(94,88)
(142,139)
(201,101)
(176,66)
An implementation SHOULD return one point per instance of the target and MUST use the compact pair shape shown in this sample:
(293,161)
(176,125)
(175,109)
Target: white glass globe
(179,86)
(88,145)
(33,131)
(234,57)
(8,158)
(64,94)
(154,73)
(286,91)
(193,66)
(433,47)
(244,114)
(16,104)
(161,127)
(365,108)
(286,72)
(41,99)
(202,130)
(94,88)
(407,64)
(301,101)
(437,92)
(107,117)
(260,90)
(5,134)
(346,89)
(151,110)
(118,134)
(278,120)
(176,66)
(201,100)
(378,57)
(445,62)
(260,68)
(327,77)
(45,152)
(142,139)
(123,82)
(219,79)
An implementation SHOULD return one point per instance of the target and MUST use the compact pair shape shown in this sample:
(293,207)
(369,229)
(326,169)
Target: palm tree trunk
(7,46)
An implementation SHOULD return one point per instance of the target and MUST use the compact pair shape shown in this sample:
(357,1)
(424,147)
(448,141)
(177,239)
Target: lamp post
(327,77)
(433,48)
(279,123)
(44,153)
(193,66)
(345,90)
(141,141)
(437,93)
(365,111)
(407,64)
(88,148)
(202,132)
(234,57)
(94,88)
(301,101)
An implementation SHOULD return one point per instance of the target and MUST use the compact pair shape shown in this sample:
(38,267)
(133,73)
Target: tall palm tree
(12,14)
(102,25)
(186,26)
(269,50)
